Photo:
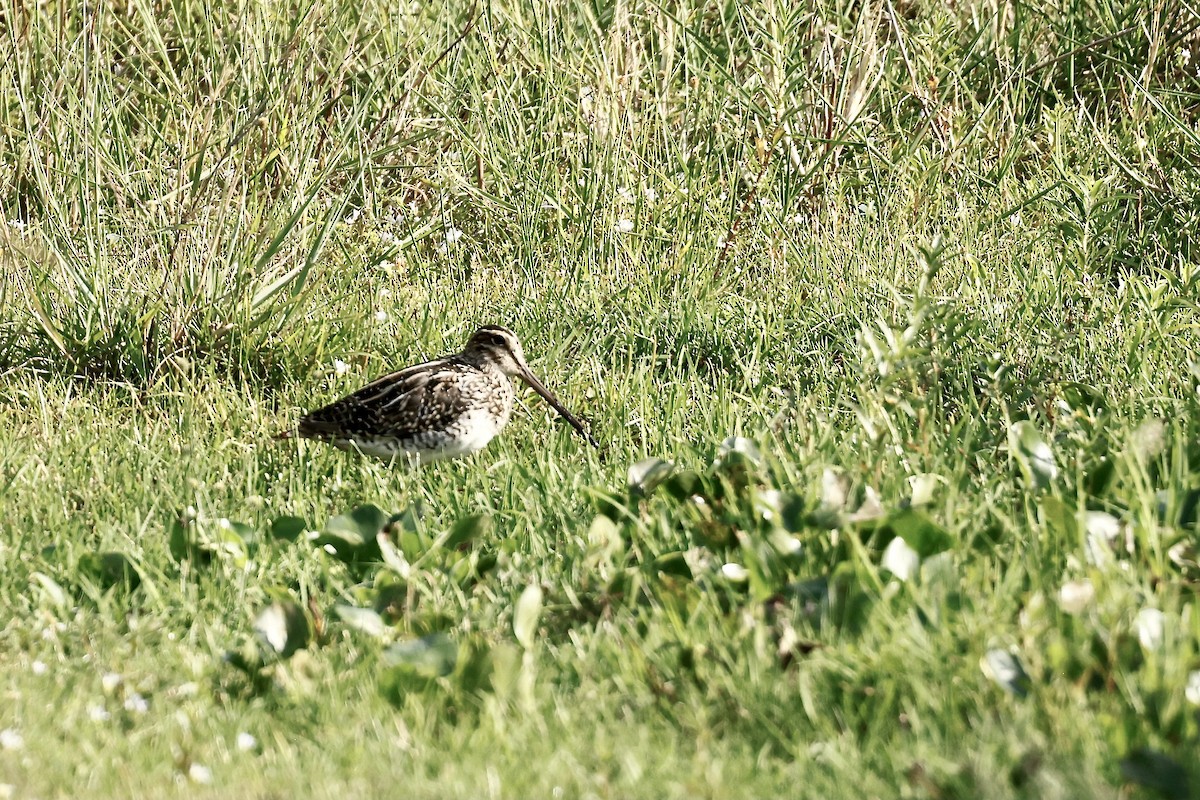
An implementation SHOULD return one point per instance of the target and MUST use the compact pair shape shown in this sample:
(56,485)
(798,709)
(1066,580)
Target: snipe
(445,408)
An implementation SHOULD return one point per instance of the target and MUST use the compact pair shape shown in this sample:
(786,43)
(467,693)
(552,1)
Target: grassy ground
(934,265)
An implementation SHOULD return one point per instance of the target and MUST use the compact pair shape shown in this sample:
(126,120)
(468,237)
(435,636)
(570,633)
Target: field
(887,316)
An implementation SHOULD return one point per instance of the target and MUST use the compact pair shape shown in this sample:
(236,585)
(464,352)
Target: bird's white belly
(470,433)
(474,430)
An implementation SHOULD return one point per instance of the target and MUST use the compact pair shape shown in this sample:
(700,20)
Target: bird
(446,408)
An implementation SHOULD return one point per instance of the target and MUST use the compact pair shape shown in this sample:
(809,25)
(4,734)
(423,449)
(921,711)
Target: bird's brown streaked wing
(402,404)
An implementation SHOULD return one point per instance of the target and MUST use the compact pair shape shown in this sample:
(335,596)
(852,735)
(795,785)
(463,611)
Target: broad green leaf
(468,529)
(110,569)
(284,627)
(352,536)
(647,475)
(432,656)
(179,539)
(1157,771)
(1100,476)
(791,513)
(358,526)
(921,533)
(1005,670)
(673,563)
(608,503)
(683,484)
(736,460)
(393,557)
(229,540)
(1082,396)
(407,520)
(412,544)
(810,590)
(287,528)
(475,665)
(1033,454)
(362,619)
(527,614)
(462,572)
(741,446)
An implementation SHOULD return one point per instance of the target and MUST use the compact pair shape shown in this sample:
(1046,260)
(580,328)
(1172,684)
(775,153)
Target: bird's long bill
(528,377)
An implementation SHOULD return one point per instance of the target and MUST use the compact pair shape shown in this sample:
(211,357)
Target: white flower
(136,703)
(1150,625)
(453,235)
(110,681)
(340,367)
(39,667)
(625,226)
(900,559)
(381,316)
(1075,596)
(198,773)
(246,741)
(1192,692)
(650,194)
(353,216)
(98,713)
(734,572)
(624,195)
(11,739)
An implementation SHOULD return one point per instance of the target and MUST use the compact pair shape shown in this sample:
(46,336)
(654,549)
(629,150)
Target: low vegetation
(885,313)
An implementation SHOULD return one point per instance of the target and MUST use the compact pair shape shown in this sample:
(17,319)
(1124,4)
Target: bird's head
(493,344)
(498,346)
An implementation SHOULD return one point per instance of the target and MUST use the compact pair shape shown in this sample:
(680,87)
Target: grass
(933,264)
